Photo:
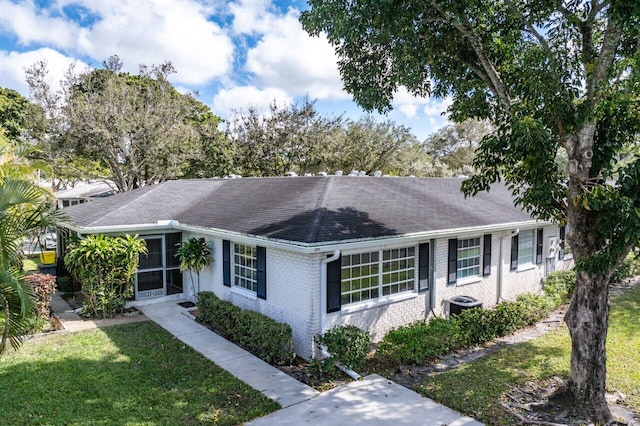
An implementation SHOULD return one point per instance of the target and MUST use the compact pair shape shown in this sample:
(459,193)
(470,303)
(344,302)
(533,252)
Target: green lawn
(134,374)
(475,389)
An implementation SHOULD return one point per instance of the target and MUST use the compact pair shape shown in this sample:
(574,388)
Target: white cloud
(139,31)
(410,105)
(285,56)
(32,25)
(241,97)
(13,65)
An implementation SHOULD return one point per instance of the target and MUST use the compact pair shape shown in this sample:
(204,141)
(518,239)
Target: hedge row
(264,337)
(422,342)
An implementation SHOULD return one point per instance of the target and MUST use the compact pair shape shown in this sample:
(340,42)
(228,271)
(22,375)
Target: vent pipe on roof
(377,173)
(354,173)
(291,174)
(338,173)
(322,173)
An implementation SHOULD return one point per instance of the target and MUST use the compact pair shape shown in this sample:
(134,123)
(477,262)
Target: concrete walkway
(256,373)
(372,401)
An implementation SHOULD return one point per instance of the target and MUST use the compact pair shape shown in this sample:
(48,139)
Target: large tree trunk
(587,319)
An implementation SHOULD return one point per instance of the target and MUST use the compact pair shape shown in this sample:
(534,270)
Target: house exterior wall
(293,291)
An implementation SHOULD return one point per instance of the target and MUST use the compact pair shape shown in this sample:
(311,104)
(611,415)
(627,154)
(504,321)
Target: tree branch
(497,86)
(605,59)
(530,28)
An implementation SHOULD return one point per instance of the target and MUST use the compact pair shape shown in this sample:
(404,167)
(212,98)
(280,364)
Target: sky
(234,54)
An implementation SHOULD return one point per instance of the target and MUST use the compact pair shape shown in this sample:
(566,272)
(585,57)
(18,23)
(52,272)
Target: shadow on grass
(476,388)
(129,374)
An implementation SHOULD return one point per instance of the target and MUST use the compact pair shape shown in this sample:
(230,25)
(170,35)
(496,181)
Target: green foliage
(320,369)
(560,285)
(422,342)
(630,267)
(348,344)
(43,285)
(106,267)
(24,209)
(194,254)
(264,337)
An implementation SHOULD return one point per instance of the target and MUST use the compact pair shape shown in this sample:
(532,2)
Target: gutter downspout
(511,235)
(323,311)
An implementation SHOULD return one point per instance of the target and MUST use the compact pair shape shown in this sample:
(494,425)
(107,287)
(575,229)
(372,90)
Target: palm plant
(24,207)
(194,254)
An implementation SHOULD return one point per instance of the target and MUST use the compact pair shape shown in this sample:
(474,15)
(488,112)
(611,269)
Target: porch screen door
(150,279)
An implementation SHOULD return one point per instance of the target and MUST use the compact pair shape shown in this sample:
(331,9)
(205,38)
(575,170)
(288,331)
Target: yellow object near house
(48,257)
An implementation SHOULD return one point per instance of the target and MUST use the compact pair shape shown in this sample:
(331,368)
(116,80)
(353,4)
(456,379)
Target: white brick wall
(293,290)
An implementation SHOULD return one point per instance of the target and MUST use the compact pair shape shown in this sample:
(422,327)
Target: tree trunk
(587,319)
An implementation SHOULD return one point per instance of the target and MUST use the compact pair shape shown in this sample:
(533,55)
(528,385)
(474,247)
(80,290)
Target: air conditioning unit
(554,246)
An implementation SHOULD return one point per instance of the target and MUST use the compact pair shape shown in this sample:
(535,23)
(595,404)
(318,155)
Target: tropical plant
(194,254)
(106,267)
(551,76)
(24,207)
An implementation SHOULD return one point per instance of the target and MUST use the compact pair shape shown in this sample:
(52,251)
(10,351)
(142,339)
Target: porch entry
(159,271)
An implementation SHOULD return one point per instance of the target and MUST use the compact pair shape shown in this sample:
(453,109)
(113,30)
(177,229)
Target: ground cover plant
(477,388)
(134,374)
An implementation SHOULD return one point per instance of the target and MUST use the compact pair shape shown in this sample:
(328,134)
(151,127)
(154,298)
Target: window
(526,248)
(245,274)
(366,276)
(468,258)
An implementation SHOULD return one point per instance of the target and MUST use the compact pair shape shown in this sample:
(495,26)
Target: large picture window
(367,276)
(245,274)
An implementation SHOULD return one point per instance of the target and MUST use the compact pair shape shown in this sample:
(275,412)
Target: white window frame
(526,261)
(380,284)
(244,273)
(468,260)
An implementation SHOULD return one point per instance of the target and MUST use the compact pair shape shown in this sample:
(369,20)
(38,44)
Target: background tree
(548,75)
(455,144)
(139,127)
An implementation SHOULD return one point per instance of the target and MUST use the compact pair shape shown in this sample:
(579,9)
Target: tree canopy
(549,75)
(139,127)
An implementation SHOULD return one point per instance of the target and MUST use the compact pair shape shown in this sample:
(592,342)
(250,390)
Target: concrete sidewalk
(256,373)
(372,401)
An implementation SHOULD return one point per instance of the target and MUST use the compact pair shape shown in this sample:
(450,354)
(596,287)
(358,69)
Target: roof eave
(307,248)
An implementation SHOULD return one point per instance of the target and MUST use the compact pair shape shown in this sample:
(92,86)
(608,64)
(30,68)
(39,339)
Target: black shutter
(261,268)
(423,267)
(562,236)
(539,246)
(453,261)
(486,256)
(333,285)
(226,263)
(514,252)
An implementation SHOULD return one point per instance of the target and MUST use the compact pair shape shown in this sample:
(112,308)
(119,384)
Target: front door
(150,277)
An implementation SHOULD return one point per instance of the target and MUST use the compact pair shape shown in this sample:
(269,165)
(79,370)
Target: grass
(29,264)
(134,374)
(476,388)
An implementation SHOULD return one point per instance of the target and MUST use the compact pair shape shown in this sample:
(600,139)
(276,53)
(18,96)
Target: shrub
(264,337)
(44,285)
(476,326)
(347,344)
(421,342)
(560,285)
(630,267)
(106,267)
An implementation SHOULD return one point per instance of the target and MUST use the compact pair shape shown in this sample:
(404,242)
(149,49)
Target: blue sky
(235,54)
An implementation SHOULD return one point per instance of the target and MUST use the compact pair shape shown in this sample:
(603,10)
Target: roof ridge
(319,211)
(153,188)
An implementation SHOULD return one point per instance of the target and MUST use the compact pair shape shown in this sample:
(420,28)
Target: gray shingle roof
(306,209)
